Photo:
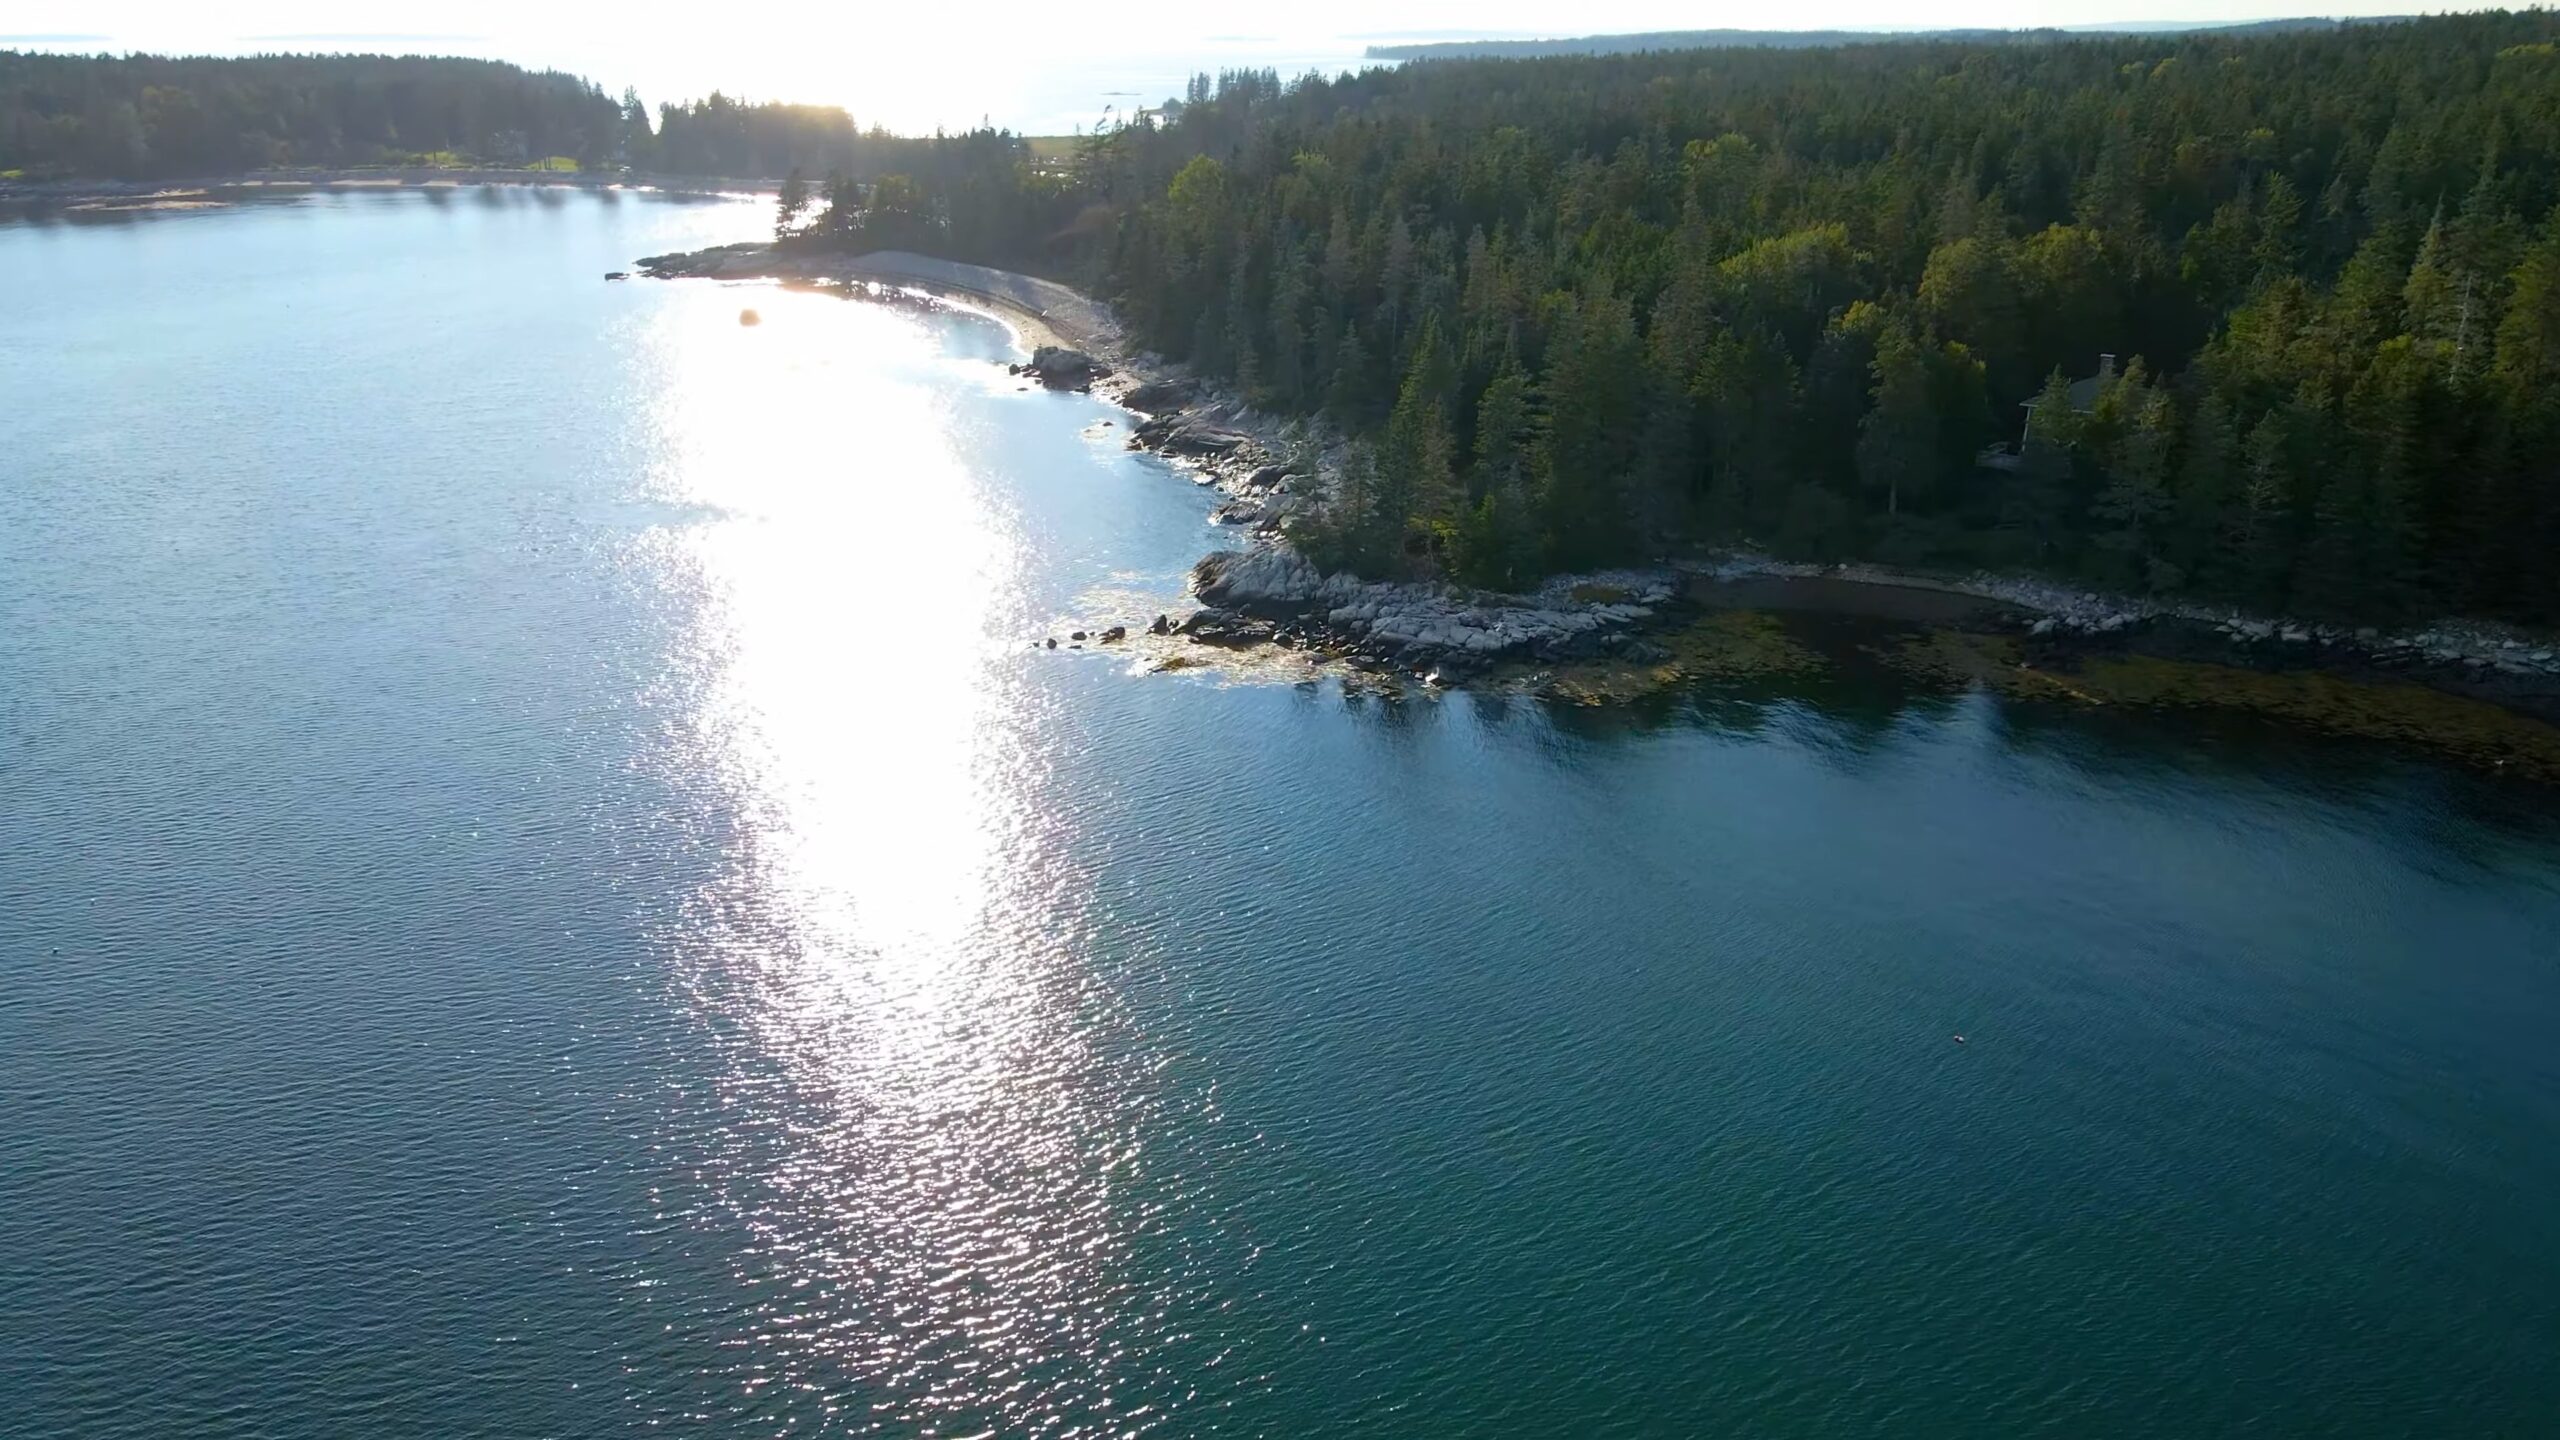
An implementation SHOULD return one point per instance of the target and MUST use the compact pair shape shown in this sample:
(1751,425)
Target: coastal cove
(2488,695)
(555,887)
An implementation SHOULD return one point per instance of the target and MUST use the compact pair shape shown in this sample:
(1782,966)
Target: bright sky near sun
(1031,64)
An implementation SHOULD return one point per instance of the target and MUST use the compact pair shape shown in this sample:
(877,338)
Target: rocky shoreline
(1266,594)
(1265,468)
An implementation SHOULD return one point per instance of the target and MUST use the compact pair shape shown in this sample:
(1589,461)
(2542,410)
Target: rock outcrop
(746,258)
(1154,397)
(1441,632)
(1060,368)
(1179,434)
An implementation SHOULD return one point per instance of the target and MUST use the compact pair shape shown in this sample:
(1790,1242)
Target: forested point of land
(1587,310)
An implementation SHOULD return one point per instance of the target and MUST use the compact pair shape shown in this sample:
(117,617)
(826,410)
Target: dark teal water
(543,891)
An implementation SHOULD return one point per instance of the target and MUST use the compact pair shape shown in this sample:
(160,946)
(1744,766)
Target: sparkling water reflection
(939,1095)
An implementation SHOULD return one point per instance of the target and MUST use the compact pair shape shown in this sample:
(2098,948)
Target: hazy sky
(1031,65)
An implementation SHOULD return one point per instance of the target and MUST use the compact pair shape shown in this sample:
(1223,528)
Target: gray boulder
(1273,577)
(1156,396)
(1060,368)
(1203,440)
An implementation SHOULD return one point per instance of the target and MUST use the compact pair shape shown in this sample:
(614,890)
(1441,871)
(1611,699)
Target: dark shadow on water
(1858,713)
(1393,712)
(133,211)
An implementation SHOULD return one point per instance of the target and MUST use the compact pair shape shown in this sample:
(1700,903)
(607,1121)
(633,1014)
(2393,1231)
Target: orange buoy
(749,317)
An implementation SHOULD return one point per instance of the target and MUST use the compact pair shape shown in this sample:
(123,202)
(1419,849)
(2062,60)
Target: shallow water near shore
(549,890)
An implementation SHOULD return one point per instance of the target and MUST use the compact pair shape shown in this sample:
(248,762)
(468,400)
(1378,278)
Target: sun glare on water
(893,955)
(853,577)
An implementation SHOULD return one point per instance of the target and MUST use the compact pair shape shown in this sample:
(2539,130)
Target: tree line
(1623,44)
(148,116)
(1583,310)
(152,117)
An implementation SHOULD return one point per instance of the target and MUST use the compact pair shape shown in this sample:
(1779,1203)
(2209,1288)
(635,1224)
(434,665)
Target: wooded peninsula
(2271,318)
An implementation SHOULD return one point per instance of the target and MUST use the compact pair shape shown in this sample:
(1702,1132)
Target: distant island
(1516,49)
(194,118)
(146,116)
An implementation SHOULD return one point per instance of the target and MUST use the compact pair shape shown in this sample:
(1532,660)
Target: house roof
(2084,392)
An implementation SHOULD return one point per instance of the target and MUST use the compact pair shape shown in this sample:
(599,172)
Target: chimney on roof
(2106,367)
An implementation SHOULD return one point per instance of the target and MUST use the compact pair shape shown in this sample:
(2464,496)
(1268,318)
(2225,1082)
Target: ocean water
(545,889)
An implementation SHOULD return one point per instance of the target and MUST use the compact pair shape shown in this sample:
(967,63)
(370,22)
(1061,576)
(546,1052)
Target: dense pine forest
(144,117)
(1587,308)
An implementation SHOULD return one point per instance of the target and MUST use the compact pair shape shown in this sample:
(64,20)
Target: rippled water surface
(545,891)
